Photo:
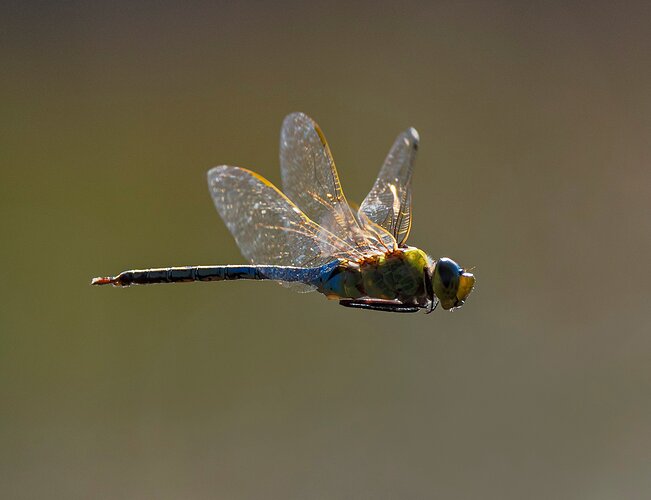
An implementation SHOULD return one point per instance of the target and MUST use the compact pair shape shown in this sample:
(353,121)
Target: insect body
(309,237)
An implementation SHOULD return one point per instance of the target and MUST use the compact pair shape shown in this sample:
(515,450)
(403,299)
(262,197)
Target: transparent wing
(388,204)
(267,226)
(311,181)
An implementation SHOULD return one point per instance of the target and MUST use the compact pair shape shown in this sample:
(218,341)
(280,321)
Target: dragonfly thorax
(396,275)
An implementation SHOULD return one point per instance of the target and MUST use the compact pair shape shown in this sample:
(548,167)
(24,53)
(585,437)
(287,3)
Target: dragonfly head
(451,283)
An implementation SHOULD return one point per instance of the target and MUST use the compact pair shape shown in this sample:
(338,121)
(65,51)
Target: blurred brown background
(534,167)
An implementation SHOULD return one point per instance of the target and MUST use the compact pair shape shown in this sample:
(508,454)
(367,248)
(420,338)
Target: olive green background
(534,168)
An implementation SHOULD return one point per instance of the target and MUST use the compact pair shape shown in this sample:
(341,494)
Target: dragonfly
(308,237)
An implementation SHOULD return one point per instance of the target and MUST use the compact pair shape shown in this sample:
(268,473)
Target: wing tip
(413,136)
(295,116)
(218,170)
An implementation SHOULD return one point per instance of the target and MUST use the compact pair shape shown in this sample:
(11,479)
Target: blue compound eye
(449,272)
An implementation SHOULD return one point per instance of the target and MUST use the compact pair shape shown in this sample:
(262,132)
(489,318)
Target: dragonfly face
(452,284)
(310,237)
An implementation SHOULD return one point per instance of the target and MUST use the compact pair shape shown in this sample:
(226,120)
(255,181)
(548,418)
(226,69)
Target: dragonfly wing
(388,204)
(311,181)
(267,226)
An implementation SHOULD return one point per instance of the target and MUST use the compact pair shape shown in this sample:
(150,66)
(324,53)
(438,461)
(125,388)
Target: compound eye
(449,272)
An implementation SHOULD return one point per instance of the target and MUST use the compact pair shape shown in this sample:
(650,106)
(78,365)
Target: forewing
(388,204)
(267,226)
(311,181)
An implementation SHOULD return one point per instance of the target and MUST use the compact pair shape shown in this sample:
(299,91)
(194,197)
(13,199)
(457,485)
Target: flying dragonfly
(308,237)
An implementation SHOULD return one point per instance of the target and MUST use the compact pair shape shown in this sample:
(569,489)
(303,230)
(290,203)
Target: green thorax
(398,275)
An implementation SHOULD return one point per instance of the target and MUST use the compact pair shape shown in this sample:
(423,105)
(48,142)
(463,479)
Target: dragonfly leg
(379,305)
(429,289)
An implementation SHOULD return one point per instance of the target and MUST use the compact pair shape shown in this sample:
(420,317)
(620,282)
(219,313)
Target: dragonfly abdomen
(311,276)
(180,275)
